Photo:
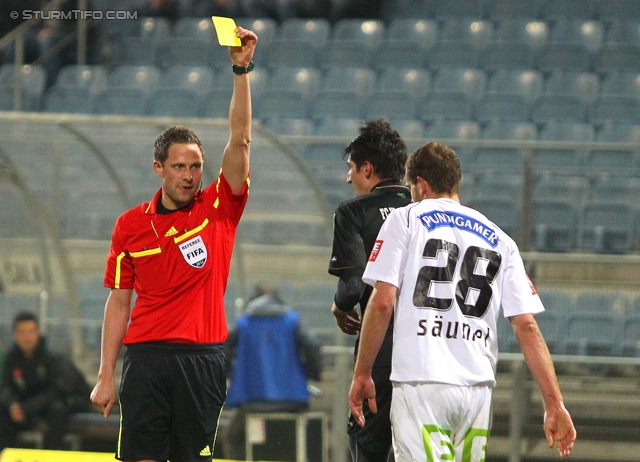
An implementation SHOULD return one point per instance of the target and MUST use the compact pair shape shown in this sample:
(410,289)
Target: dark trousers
(53,421)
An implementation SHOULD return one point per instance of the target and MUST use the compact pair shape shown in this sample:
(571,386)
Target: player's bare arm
(235,162)
(374,326)
(558,426)
(116,317)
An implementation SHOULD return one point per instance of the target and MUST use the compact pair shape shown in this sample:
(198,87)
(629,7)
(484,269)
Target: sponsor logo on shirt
(437,219)
(376,250)
(194,252)
(533,288)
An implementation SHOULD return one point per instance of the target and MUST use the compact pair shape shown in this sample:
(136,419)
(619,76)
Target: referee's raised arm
(235,162)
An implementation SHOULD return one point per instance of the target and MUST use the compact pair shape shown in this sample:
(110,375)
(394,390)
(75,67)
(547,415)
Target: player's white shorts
(435,422)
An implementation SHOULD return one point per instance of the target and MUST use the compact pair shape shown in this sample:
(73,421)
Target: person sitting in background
(39,389)
(274,359)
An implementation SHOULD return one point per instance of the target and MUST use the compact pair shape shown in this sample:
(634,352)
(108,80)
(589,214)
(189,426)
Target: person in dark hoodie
(39,389)
(272,357)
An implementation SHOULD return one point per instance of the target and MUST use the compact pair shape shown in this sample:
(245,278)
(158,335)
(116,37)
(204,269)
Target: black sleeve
(350,289)
(309,352)
(348,248)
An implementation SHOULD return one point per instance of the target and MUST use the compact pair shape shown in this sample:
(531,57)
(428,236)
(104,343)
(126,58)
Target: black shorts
(171,396)
(375,436)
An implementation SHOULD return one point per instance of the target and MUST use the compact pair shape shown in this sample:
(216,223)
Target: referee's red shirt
(178,264)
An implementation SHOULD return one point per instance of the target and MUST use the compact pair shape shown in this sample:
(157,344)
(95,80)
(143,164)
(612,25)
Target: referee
(376,160)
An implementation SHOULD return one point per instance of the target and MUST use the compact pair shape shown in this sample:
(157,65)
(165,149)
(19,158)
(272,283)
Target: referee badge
(194,252)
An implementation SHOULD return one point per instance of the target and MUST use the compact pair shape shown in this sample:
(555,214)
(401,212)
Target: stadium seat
(554,226)
(416,81)
(313,31)
(197,28)
(93,78)
(393,54)
(356,79)
(33,87)
(183,52)
(492,184)
(550,184)
(556,301)
(616,186)
(336,103)
(592,334)
(475,32)
(606,227)
(617,108)
(507,55)
(589,34)
(631,336)
(365,31)
(618,161)
(558,107)
(566,56)
(563,159)
(121,101)
(305,80)
(408,129)
(145,78)
(342,53)
(507,159)
(552,10)
(457,9)
(174,102)
(68,99)
(453,54)
(199,79)
(447,105)
(134,51)
(290,126)
(584,85)
(531,33)
(552,326)
(154,28)
(624,32)
(442,129)
(617,57)
(526,83)
(498,10)
(281,103)
(499,106)
(286,53)
(388,104)
(502,212)
(601,301)
(471,82)
(216,103)
(337,126)
(621,83)
(423,33)
(265,28)
(618,10)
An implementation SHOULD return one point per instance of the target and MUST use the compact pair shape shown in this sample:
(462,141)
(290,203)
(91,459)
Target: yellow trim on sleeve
(145,253)
(118,263)
(192,232)
(216,203)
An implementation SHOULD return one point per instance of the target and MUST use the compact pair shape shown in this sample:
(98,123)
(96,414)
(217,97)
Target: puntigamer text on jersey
(436,219)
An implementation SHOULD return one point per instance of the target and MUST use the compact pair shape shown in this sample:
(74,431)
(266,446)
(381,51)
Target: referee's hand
(103,396)
(348,321)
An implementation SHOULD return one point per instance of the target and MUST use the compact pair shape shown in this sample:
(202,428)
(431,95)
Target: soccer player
(175,252)
(448,270)
(376,161)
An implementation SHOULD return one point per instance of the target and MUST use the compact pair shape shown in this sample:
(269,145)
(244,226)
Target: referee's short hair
(24,316)
(382,146)
(174,135)
(438,165)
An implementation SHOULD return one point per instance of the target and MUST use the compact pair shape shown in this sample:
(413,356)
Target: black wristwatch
(242,69)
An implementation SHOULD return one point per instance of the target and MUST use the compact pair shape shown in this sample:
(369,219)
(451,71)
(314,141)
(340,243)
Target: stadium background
(539,99)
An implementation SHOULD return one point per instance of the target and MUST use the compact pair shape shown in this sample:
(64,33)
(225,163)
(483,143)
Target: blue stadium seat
(554,226)
(601,301)
(592,334)
(584,85)
(408,128)
(313,31)
(552,10)
(154,28)
(507,55)
(447,105)
(121,101)
(416,81)
(423,33)
(454,54)
(507,9)
(502,212)
(305,80)
(183,52)
(526,83)
(145,78)
(508,159)
(174,102)
(33,87)
(616,108)
(356,79)
(567,108)
(606,227)
(72,100)
(631,335)
(365,31)
(393,54)
(471,82)
(491,184)
(216,103)
(198,28)
(621,83)
(388,104)
(617,57)
(618,10)
(134,51)
(615,186)
(563,159)
(337,126)
(442,129)
(499,106)
(195,78)
(567,56)
(342,53)
(93,78)
(286,53)
(531,33)
(507,341)
(624,32)
(475,32)
(281,103)
(336,103)
(589,34)
(550,184)
(458,9)
(610,161)
(552,326)
(290,126)
(556,301)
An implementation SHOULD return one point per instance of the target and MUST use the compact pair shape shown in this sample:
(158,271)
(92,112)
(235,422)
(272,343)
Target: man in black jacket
(39,389)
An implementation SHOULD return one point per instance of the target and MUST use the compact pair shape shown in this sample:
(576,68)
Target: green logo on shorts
(474,448)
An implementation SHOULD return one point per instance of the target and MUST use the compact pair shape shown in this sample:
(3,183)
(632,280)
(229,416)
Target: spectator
(274,359)
(40,389)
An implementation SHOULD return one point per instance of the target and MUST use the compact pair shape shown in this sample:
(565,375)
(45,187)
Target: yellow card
(226,30)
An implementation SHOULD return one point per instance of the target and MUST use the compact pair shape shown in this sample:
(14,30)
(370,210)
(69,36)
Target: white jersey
(454,269)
